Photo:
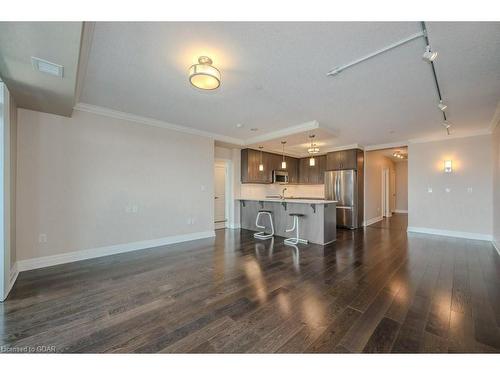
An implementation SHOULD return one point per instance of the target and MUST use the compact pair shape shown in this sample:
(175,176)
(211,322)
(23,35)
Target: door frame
(386,192)
(228,194)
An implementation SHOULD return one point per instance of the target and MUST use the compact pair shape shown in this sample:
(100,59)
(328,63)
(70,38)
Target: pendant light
(261,166)
(312,150)
(283,163)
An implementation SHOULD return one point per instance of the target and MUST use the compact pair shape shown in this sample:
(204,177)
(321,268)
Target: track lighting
(447,126)
(442,106)
(428,55)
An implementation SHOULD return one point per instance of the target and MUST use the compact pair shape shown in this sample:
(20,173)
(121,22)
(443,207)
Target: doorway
(386,193)
(220,194)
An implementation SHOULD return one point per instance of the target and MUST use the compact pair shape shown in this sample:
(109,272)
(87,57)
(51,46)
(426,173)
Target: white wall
(92,181)
(459,211)
(375,162)
(401,185)
(496,187)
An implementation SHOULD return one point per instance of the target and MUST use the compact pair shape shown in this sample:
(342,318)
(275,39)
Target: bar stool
(262,235)
(296,240)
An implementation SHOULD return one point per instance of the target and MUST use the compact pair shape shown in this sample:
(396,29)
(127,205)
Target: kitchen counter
(288,200)
(318,225)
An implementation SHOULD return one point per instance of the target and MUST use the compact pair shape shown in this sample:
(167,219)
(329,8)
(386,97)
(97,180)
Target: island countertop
(288,200)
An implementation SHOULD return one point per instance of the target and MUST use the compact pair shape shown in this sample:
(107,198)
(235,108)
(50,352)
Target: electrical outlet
(42,238)
(202,188)
(135,208)
(447,190)
(429,190)
(469,190)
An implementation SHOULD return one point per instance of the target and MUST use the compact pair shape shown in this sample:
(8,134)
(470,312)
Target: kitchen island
(318,225)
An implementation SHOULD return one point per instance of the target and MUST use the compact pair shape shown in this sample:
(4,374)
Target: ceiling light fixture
(312,150)
(400,155)
(261,166)
(442,106)
(203,75)
(429,56)
(283,163)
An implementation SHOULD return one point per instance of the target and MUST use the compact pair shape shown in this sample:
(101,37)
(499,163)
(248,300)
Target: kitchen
(325,189)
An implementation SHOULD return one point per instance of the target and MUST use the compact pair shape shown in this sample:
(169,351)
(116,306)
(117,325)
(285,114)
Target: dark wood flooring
(376,290)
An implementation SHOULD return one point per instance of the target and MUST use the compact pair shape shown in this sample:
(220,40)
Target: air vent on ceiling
(47,67)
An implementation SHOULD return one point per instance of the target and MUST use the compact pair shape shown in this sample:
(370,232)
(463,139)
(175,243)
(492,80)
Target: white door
(393,192)
(386,200)
(220,196)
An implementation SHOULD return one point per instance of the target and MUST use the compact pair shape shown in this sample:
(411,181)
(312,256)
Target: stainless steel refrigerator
(342,186)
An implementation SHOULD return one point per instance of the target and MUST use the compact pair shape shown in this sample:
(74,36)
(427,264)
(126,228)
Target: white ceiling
(274,77)
(57,42)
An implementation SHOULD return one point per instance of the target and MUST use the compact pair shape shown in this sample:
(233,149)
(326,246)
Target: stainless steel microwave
(280,177)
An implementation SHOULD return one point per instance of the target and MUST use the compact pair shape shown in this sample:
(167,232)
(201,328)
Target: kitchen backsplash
(256,191)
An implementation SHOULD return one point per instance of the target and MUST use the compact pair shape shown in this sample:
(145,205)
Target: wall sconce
(447,166)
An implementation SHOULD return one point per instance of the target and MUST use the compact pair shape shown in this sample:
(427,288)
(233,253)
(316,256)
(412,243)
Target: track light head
(428,55)
(442,106)
(447,126)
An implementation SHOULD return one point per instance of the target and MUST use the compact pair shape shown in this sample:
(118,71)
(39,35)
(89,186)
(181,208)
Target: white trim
(310,125)
(496,119)
(14,273)
(445,137)
(74,256)
(234,226)
(496,245)
(451,233)
(83,107)
(373,220)
(386,145)
(83,58)
(397,211)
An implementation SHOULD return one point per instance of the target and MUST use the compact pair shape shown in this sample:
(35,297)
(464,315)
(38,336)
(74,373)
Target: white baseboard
(451,233)
(373,220)
(496,245)
(400,211)
(12,279)
(74,256)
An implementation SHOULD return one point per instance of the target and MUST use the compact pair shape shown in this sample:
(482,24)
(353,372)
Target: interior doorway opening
(386,183)
(222,193)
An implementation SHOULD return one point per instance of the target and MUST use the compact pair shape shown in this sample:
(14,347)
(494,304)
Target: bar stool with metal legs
(262,235)
(295,240)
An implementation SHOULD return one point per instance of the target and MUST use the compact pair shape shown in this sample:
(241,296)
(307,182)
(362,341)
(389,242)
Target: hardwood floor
(375,290)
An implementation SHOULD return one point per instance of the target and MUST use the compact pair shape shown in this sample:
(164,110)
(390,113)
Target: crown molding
(310,125)
(383,146)
(83,107)
(474,133)
(495,120)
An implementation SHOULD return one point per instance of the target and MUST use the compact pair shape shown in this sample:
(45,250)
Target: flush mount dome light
(203,75)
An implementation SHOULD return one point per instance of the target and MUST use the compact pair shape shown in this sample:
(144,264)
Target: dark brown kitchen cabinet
(292,167)
(314,174)
(345,159)
(250,160)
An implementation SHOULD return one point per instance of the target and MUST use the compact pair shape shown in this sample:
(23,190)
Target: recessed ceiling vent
(47,67)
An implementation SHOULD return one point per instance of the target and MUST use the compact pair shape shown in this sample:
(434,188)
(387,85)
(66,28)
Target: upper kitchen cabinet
(314,174)
(250,160)
(292,167)
(345,159)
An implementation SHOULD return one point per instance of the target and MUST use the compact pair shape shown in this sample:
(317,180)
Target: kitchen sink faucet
(283,193)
